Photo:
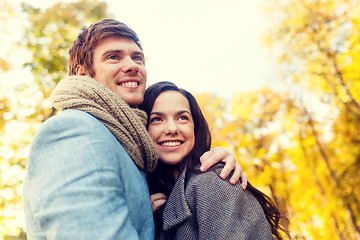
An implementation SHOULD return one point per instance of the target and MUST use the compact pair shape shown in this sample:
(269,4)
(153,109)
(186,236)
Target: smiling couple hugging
(86,172)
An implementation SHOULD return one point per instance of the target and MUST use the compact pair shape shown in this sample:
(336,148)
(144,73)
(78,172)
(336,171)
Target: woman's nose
(171,128)
(129,65)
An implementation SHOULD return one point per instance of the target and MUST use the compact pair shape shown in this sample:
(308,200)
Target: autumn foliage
(299,143)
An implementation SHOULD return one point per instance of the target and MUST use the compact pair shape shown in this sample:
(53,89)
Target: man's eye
(138,58)
(113,57)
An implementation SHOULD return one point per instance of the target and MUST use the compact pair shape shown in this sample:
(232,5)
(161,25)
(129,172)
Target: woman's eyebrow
(183,111)
(157,113)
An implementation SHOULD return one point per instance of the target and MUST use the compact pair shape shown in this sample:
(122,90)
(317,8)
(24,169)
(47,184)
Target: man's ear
(80,70)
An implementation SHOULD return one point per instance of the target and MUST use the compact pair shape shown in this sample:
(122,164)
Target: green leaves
(49,36)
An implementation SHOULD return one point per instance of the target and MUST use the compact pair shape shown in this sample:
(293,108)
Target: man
(82,179)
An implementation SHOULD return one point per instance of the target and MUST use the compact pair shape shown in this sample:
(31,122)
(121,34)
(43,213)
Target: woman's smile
(170,143)
(172,127)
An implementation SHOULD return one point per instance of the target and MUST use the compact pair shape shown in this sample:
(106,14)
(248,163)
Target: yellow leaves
(242,105)
(213,108)
(319,43)
(5,12)
(4,65)
(285,153)
(318,46)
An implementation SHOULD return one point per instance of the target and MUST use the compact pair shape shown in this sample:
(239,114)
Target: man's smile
(129,84)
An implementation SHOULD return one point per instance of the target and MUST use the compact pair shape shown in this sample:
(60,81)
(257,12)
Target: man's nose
(171,128)
(129,65)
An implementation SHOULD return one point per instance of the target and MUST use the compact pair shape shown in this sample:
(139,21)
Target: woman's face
(172,127)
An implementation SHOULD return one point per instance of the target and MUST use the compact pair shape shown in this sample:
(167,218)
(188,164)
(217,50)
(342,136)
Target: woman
(199,205)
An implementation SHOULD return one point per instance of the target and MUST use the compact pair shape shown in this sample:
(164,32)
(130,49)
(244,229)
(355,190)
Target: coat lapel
(176,209)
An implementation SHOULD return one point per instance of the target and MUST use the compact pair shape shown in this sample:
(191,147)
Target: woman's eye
(183,118)
(155,119)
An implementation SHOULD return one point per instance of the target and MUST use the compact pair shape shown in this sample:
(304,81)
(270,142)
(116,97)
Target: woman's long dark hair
(161,180)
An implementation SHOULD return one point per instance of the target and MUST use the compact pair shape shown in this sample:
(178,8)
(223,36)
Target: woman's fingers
(157,200)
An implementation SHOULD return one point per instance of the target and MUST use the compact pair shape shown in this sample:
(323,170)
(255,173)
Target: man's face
(119,65)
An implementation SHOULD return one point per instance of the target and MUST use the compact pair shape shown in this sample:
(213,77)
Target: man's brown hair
(82,51)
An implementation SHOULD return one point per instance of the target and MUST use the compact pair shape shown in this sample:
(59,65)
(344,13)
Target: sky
(202,45)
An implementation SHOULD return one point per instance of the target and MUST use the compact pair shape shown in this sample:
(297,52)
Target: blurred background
(278,81)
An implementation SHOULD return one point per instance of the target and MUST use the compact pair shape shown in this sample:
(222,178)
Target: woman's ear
(80,70)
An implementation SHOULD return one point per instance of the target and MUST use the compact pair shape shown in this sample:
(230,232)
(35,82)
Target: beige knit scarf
(127,124)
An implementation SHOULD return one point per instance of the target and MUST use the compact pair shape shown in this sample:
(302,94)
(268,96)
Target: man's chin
(133,102)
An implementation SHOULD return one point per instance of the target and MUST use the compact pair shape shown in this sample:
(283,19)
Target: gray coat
(203,206)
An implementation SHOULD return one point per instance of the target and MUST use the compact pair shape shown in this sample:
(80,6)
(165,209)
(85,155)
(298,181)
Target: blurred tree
(215,110)
(50,34)
(6,13)
(9,182)
(287,151)
(317,44)
(47,36)
(299,146)
(260,143)
(320,46)
(250,125)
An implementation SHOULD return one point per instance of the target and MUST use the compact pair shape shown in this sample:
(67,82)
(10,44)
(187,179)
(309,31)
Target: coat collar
(176,210)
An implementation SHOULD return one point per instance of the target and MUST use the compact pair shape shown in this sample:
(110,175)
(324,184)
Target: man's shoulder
(71,115)
(74,134)
(72,118)
(72,123)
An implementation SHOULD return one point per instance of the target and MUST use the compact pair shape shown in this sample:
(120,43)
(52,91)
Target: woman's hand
(218,154)
(157,200)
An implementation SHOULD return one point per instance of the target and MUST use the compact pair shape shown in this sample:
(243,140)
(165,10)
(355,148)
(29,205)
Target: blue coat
(81,184)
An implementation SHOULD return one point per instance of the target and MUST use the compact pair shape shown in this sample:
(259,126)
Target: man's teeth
(129,84)
(170,144)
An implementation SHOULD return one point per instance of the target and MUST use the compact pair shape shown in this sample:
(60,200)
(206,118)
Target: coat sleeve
(225,211)
(73,184)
